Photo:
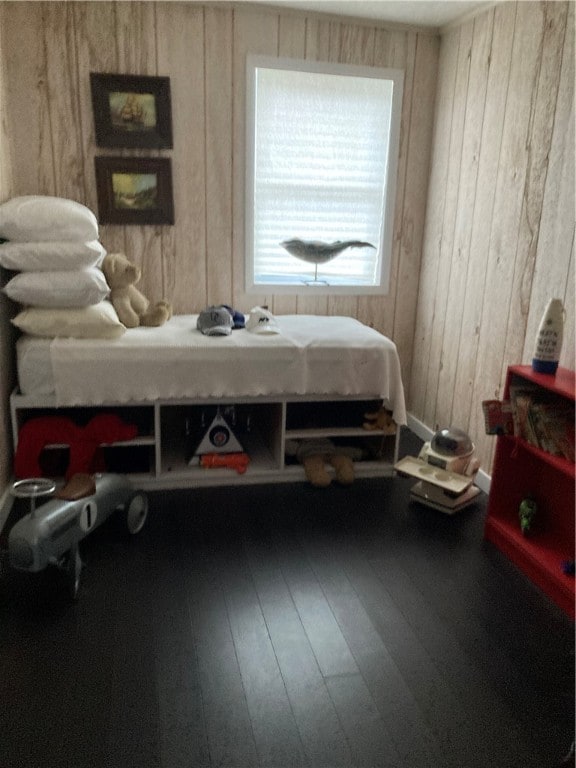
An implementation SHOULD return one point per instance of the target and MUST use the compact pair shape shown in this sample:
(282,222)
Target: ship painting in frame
(131,111)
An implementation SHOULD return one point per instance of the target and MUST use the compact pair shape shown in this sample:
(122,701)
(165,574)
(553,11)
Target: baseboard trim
(420,429)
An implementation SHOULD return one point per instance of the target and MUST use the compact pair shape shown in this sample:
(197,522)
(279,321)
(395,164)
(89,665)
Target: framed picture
(134,190)
(131,111)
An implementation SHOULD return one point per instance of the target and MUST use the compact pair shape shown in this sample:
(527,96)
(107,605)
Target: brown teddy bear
(132,307)
(381,420)
(315,455)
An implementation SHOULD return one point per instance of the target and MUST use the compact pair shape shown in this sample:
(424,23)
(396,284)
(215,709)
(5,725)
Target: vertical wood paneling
(137,53)
(498,63)
(554,257)
(28,113)
(95,26)
(184,245)
(500,219)
(442,314)
(460,257)
(394,50)
(508,197)
(219,136)
(498,229)
(63,89)
(256,34)
(414,200)
(430,263)
(7,335)
(541,125)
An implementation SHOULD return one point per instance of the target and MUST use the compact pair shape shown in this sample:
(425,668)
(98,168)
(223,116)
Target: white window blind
(322,167)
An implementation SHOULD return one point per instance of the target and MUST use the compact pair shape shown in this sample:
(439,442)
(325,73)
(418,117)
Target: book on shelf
(543,420)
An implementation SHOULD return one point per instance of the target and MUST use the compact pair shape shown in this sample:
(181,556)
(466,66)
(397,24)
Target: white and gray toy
(50,533)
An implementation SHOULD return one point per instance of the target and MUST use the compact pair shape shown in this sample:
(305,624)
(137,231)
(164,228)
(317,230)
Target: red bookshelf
(520,470)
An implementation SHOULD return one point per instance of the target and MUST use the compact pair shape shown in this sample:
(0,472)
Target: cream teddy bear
(132,307)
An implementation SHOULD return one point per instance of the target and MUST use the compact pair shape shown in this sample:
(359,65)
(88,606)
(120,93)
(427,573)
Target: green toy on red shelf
(526,512)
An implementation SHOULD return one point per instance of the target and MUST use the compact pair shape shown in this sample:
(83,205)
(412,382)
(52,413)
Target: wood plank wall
(51,49)
(48,51)
(7,336)
(469,279)
(499,236)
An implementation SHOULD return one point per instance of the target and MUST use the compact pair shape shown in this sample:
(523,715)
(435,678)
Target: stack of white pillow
(53,245)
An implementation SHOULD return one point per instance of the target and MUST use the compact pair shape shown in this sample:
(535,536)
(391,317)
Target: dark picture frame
(131,111)
(134,190)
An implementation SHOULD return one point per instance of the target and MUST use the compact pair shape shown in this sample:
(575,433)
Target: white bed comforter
(313,355)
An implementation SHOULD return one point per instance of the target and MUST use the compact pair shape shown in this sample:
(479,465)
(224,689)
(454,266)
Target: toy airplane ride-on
(50,533)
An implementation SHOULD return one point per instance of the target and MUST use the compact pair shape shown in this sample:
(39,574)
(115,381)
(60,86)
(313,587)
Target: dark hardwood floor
(282,626)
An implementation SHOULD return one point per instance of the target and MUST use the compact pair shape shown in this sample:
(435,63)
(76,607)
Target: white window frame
(253,62)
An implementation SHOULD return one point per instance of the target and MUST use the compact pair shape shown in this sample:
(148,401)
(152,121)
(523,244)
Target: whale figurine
(317,252)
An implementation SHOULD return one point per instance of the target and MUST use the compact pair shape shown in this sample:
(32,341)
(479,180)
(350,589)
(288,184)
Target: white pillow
(97,322)
(36,217)
(51,256)
(77,288)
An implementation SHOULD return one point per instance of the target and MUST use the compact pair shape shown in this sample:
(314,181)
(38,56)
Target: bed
(312,358)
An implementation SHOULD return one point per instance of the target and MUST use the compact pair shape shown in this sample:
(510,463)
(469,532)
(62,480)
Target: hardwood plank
(365,729)
(181,727)
(273,725)
(330,647)
(132,733)
(316,718)
(226,715)
(402,722)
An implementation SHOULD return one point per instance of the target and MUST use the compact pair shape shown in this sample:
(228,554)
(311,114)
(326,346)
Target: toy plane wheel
(136,513)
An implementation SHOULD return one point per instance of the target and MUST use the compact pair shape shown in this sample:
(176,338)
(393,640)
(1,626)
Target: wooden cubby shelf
(161,455)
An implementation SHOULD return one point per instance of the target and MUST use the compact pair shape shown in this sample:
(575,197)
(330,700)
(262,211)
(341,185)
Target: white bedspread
(313,355)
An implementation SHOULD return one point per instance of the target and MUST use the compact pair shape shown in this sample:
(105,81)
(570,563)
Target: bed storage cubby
(59,428)
(255,427)
(315,378)
(161,455)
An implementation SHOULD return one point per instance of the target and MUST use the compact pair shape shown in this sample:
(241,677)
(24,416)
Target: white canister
(549,338)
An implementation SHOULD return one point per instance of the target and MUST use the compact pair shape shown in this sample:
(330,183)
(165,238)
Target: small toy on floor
(316,455)
(527,512)
(381,420)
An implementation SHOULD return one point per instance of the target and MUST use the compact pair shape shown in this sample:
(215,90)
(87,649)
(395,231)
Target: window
(322,154)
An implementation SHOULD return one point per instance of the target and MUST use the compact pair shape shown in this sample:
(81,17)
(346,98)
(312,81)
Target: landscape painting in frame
(134,190)
(131,111)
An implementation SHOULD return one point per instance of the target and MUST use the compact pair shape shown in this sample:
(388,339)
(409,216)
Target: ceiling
(430,13)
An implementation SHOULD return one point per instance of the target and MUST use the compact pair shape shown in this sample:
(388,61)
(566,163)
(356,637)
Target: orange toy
(237,461)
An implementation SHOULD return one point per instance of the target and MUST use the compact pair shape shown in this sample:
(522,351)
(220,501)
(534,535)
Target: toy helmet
(452,442)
